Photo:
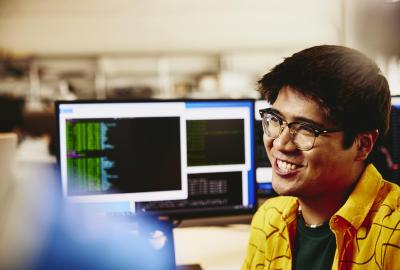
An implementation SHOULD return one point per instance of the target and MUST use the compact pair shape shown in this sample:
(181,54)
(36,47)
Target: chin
(283,189)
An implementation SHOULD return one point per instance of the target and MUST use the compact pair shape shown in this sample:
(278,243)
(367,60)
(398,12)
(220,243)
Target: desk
(213,247)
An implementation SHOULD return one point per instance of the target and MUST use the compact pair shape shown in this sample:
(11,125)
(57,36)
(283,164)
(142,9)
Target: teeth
(285,166)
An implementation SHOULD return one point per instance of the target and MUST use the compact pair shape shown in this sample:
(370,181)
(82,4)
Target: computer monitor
(122,151)
(220,159)
(263,165)
(181,158)
(387,159)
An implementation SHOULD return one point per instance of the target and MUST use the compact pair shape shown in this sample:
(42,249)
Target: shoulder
(388,196)
(274,209)
(381,229)
(268,235)
(393,191)
(387,204)
(381,198)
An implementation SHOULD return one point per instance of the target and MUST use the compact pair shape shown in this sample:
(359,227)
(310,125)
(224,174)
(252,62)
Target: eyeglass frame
(282,124)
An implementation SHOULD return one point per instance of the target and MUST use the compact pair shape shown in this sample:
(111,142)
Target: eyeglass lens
(302,136)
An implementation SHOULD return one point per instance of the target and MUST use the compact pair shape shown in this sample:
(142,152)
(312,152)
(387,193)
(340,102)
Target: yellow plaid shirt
(367,229)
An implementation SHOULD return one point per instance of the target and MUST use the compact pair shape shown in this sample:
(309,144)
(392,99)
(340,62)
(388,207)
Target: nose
(284,141)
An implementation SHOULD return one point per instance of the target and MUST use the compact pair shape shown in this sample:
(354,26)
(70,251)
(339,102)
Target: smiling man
(330,107)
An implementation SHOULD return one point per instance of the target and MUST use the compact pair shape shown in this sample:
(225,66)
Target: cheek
(268,143)
(324,163)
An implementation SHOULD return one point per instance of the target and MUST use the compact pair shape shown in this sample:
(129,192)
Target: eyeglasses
(302,134)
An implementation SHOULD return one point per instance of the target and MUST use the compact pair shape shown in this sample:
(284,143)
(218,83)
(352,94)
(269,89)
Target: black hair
(349,87)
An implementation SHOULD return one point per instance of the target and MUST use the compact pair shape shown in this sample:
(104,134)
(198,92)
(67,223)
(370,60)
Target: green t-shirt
(314,247)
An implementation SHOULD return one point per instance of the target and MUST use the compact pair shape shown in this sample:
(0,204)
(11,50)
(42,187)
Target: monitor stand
(189,267)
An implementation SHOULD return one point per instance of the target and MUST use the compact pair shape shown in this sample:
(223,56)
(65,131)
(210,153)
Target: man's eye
(306,131)
(273,120)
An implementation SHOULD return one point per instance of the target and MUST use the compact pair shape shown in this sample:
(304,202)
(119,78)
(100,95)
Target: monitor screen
(127,151)
(177,158)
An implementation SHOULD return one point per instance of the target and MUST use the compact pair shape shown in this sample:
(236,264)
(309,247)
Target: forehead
(292,104)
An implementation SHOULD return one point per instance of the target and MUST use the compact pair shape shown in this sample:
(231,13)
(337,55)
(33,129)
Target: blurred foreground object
(39,231)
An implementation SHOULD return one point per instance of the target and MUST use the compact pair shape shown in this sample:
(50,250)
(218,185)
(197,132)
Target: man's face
(322,171)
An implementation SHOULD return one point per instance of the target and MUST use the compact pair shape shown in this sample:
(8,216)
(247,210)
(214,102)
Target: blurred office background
(127,49)
(102,49)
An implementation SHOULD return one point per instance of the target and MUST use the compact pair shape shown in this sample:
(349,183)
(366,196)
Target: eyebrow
(299,119)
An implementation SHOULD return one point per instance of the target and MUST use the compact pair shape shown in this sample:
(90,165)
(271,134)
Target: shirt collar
(362,197)
(290,211)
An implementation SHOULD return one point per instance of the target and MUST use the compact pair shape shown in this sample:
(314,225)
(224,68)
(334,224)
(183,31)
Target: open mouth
(286,167)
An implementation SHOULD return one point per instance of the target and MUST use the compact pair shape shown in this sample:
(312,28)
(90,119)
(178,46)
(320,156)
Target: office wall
(177,40)
(99,26)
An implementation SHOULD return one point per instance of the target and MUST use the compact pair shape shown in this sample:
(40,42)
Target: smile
(286,167)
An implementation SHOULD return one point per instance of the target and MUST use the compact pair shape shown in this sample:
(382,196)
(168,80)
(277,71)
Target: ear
(365,143)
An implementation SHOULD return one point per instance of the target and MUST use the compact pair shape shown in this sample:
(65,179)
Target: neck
(317,212)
